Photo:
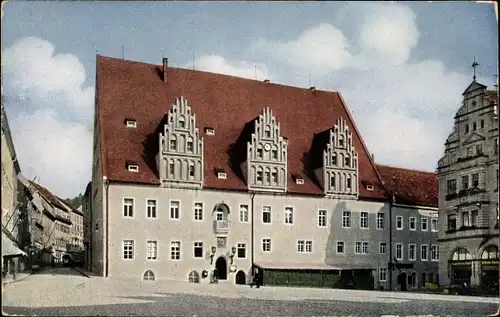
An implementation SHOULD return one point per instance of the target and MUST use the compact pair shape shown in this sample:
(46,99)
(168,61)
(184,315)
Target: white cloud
(321,49)
(50,114)
(218,64)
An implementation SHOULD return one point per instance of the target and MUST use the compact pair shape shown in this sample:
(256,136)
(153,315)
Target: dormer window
(173,143)
(209,131)
(132,167)
(221,175)
(130,123)
(369,187)
(299,181)
(189,145)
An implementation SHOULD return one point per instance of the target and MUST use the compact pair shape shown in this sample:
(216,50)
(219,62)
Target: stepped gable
(128,89)
(410,187)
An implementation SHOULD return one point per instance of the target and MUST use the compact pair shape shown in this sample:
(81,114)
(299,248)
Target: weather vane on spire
(474,65)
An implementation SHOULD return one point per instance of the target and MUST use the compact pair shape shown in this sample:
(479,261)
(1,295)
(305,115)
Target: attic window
(132,167)
(299,181)
(221,175)
(369,187)
(209,131)
(130,123)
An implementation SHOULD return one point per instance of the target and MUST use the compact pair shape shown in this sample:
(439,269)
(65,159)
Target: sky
(401,67)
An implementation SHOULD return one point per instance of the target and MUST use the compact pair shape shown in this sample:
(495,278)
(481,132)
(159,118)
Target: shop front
(460,267)
(489,268)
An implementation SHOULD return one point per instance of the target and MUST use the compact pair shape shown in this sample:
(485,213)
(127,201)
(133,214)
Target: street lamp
(212,253)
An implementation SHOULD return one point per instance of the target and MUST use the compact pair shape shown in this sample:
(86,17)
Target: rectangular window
(198,211)
(152,250)
(413,223)
(309,246)
(346,219)
(382,274)
(475,180)
(451,186)
(363,220)
(364,248)
(434,253)
(266,214)
(301,245)
(266,245)
(357,247)
(452,221)
(289,215)
(434,224)
(242,250)
(175,250)
(151,208)
(465,219)
(340,247)
(128,207)
(412,250)
(198,249)
(465,182)
(399,251)
(243,213)
(479,149)
(380,220)
(174,209)
(382,248)
(423,224)
(399,223)
(423,252)
(321,218)
(474,218)
(128,249)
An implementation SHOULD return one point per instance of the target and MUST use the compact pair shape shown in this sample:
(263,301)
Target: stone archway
(221,267)
(240,278)
(460,267)
(489,267)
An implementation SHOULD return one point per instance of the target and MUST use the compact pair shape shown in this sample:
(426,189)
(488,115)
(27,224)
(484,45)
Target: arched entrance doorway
(221,267)
(489,267)
(240,278)
(402,281)
(461,267)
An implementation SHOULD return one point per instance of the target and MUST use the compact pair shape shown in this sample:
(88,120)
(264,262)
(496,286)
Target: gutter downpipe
(252,238)
(390,243)
(106,268)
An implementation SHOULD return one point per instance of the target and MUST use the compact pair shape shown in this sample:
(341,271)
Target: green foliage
(75,202)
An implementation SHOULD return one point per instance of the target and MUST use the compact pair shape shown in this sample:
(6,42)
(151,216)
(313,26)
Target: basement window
(130,123)
(209,131)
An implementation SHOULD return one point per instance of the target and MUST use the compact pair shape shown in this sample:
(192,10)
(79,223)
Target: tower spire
(474,65)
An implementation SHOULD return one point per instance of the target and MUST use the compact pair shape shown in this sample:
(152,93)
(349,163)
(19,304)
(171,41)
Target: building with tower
(468,192)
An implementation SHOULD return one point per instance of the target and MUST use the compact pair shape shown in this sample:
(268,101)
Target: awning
(9,247)
(296,266)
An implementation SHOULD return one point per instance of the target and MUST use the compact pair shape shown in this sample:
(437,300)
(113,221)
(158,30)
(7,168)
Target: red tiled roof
(492,94)
(127,89)
(410,186)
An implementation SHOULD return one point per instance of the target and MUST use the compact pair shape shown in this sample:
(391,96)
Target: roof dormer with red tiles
(180,153)
(265,167)
(336,161)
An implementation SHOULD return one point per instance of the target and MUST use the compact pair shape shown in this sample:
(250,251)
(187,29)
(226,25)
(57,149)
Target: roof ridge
(219,74)
(406,169)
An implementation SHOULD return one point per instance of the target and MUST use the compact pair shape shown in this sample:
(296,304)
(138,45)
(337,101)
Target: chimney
(313,89)
(267,81)
(165,66)
(373,158)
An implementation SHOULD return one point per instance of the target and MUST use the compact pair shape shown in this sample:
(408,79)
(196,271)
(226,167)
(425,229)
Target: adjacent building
(468,192)
(413,228)
(196,174)
(11,219)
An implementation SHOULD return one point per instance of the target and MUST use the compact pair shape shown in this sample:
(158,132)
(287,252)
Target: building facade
(468,192)
(241,181)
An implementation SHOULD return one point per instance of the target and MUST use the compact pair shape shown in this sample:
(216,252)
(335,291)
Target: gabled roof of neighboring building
(128,89)
(51,198)
(69,207)
(410,187)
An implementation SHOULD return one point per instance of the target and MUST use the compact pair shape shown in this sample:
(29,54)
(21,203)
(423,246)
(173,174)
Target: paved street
(73,294)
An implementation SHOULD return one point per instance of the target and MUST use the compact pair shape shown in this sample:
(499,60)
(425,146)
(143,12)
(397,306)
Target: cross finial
(474,65)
